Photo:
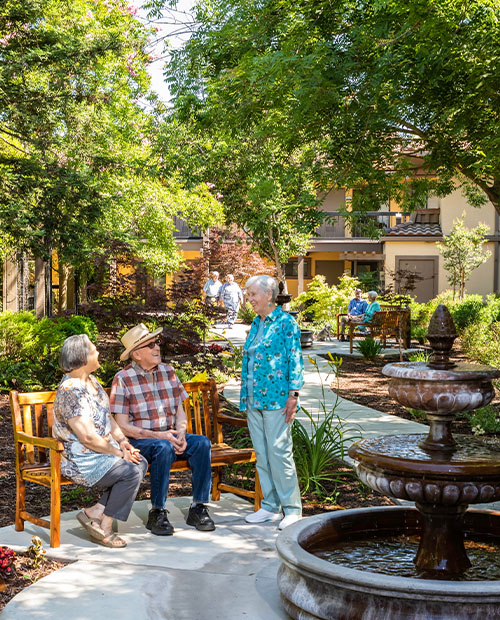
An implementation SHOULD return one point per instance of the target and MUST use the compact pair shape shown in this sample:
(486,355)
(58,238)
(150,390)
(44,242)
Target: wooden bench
(385,324)
(38,454)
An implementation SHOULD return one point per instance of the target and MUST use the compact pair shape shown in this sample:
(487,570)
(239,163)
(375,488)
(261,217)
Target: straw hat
(135,337)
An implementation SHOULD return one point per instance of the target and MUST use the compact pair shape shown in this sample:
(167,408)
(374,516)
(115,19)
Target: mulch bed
(24,575)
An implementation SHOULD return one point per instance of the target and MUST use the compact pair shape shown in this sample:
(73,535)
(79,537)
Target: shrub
(369,348)
(30,348)
(481,343)
(246,313)
(419,356)
(485,420)
(316,448)
(322,301)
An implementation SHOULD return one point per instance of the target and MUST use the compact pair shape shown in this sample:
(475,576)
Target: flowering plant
(6,560)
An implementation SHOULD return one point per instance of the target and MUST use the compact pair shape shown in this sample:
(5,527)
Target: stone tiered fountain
(367,575)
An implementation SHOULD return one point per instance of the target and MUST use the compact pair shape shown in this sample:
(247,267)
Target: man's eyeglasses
(150,345)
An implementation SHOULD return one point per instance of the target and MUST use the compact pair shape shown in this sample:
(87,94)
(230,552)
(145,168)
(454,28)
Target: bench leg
(215,484)
(258,492)
(20,502)
(55,500)
(351,338)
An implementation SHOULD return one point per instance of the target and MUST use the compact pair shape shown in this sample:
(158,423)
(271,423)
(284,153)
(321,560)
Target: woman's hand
(130,453)
(290,409)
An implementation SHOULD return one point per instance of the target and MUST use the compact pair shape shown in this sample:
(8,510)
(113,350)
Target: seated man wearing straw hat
(147,402)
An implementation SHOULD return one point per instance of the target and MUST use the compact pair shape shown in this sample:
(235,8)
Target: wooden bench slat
(38,454)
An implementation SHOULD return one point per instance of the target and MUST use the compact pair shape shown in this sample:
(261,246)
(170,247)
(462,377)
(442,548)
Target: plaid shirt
(150,399)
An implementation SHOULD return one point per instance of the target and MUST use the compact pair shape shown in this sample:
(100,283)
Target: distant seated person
(367,317)
(355,312)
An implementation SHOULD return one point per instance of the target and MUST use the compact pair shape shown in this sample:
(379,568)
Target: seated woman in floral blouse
(96,452)
(272,374)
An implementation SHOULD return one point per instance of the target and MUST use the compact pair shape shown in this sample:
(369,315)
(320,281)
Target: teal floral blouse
(278,366)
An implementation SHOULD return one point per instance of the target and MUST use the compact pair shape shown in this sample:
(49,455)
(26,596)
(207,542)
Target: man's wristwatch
(294,394)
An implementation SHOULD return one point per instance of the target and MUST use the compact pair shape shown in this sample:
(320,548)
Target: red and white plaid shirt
(150,399)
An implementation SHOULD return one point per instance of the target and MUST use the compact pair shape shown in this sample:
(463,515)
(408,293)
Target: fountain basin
(312,588)
(464,388)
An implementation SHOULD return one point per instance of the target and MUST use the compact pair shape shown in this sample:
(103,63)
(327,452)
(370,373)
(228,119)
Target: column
(10,285)
(300,275)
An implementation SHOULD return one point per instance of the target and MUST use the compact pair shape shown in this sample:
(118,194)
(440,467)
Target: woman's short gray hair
(266,284)
(373,294)
(74,352)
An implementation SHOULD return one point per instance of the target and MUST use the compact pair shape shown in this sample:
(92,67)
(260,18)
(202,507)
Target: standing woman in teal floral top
(271,377)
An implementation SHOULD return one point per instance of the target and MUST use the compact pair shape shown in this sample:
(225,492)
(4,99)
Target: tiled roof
(415,229)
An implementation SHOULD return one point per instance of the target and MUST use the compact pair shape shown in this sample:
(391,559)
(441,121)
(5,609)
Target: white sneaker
(262,516)
(288,520)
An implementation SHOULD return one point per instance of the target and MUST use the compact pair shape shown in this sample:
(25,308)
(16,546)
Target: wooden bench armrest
(228,419)
(41,442)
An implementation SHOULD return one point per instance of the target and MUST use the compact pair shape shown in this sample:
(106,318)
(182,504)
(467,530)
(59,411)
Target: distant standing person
(232,296)
(212,288)
(355,312)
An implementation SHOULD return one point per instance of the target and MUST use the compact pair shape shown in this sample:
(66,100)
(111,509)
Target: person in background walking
(212,288)
(232,296)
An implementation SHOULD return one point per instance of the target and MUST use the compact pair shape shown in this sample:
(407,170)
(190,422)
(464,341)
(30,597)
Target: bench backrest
(32,414)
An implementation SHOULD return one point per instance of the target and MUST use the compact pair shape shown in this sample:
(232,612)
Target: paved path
(221,575)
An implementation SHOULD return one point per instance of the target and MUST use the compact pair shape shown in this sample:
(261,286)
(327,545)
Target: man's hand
(177,439)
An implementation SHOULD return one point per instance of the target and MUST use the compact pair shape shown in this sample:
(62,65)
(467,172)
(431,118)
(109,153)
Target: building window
(291,268)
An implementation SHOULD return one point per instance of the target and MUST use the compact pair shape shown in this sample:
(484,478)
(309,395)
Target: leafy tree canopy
(76,163)
(382,92)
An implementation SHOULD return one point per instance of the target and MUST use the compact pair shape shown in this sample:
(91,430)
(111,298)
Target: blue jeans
(160,455)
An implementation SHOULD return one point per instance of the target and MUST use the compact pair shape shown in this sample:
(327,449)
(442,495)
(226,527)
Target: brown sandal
(112,540)
(93,526)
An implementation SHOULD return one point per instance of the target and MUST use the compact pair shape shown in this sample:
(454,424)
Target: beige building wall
(480,282)
(455,204)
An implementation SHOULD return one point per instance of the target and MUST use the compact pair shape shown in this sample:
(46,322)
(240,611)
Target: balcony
(336,229)
(183,231)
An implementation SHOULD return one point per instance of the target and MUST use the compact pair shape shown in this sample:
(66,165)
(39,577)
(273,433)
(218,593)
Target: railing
(336,228)
(184,231)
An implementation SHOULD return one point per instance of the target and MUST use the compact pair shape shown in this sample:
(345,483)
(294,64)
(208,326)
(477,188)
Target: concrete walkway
(229,574)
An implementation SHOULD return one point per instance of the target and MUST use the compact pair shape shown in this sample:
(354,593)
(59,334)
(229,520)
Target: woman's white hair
(74,352)
(266,284)
(372,294)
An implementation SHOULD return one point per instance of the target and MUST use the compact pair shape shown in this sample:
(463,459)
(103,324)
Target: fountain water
(443,475)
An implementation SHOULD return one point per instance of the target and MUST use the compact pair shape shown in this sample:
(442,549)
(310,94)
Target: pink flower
(210,185)
(219,196)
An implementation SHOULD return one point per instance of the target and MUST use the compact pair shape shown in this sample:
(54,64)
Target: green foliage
(465,311)
(418,333)
(246,313)
(30,348)
(321,442)
(322,301)
(419,356)
(77,164)
(357,84)
(481,343)
(485,420)
(462,252)
(369,348)
(417,414)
